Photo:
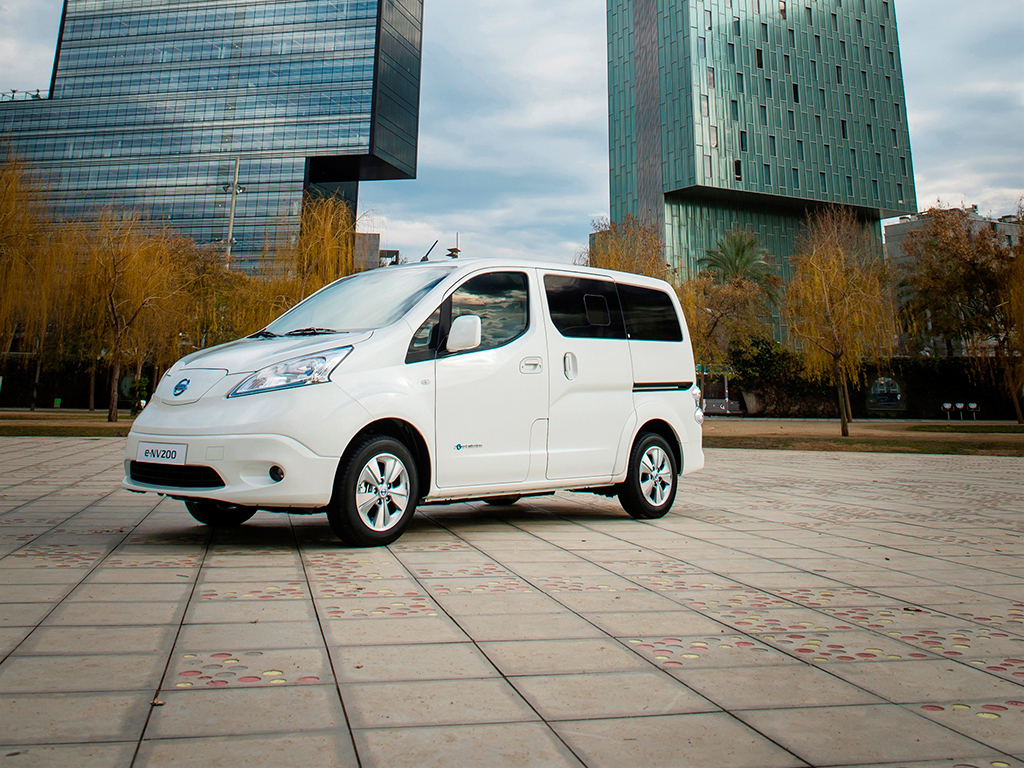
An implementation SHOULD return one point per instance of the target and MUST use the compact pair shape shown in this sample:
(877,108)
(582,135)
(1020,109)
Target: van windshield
(362,302)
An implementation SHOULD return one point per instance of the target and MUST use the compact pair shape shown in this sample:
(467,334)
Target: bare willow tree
(325,249)
(839,307)
(132,273)
(22,231)
(626,246)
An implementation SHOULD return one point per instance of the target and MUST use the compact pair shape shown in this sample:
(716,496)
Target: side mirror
(465,333)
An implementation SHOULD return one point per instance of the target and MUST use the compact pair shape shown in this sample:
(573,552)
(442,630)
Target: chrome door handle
(569,366)
(531,365)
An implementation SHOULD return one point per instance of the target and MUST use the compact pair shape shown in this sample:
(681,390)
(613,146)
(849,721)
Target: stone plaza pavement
(794,609)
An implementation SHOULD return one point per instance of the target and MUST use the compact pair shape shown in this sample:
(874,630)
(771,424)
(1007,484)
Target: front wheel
(375,493)
(650,485)
(218,513)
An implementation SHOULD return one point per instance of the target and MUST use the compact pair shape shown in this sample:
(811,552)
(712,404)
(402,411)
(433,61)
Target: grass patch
(870,445)
(969,428)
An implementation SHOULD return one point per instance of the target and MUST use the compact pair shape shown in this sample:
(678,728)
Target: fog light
(698,416)
(276,474)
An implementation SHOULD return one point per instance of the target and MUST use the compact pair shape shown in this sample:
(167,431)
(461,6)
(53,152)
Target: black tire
(503,501)
(219,514)
(638,494)
(389,521)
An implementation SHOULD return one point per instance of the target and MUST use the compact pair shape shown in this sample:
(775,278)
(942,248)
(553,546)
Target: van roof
(469,264)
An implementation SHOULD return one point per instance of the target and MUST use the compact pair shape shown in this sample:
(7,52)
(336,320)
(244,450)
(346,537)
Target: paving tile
(925,681)
(549,657)
(872,733)
(195,671)
(230,712)
(660,622)
(786,685)
(69,755)
(853,646)
(543,626)
(714,651)
(267,575)
(47,718)
(379,608)
(11,637)
(58,674)
(33,593)
(440,661)
(23,614)
(269,635)
(672,741)
(393,631)
(103,575)
(468,746)
(12,576)
(995,721)
(132,593)
(478,605)
(433,702)
(90,614)
(280,750)
(250,612)
(90,640)
(986,760)
(617,694)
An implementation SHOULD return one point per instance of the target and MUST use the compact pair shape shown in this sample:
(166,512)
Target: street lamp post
(235,191)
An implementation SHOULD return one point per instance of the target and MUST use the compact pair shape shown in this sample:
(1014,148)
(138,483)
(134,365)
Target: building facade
(751,113)
(218,116)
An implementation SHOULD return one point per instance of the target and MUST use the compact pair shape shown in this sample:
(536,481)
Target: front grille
(175,476)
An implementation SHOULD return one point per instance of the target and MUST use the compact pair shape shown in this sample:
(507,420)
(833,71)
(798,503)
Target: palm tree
(738,257)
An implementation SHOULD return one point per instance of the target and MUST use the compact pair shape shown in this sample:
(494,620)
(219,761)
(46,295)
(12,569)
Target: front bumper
(244,462)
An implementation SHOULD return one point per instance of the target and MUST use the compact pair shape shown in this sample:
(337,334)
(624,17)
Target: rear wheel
(375,493)
(650,485)
(218,513)
(502,501)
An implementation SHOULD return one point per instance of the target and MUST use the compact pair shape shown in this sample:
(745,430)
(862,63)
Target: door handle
(531,365)
(569,366)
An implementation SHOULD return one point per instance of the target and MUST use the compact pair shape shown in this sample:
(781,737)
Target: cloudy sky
(513,136)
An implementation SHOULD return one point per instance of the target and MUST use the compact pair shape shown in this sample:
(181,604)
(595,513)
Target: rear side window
(502,302)
(649,314)
(584,308)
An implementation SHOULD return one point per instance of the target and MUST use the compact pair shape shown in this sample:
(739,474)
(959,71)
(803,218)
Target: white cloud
(513,145)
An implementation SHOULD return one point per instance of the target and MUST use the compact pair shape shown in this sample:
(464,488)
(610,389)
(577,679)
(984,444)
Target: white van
(427,383)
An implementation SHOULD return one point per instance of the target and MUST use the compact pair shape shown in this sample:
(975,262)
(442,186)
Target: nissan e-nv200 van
(429,383)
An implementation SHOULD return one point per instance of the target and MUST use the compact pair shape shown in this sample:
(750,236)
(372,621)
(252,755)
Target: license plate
(162,453)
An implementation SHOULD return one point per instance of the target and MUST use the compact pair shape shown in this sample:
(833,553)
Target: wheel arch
(408,435)
(663,429)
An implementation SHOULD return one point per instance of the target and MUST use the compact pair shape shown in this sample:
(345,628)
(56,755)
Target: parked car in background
(430,383)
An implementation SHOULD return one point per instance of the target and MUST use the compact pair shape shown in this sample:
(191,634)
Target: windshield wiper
(310,331)
(264,334)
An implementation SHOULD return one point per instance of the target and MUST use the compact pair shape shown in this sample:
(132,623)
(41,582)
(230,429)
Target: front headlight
(297,372)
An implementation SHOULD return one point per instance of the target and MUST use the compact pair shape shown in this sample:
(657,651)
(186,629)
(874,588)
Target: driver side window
(499,299)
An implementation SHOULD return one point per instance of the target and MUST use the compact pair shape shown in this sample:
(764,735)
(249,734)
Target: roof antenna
(429,250)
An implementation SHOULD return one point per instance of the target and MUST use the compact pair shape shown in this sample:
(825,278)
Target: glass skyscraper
(154,106)
(750,113)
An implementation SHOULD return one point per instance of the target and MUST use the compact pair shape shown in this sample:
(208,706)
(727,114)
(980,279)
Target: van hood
(248,355)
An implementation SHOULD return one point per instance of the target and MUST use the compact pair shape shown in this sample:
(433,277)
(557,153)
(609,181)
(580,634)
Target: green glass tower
(751,113)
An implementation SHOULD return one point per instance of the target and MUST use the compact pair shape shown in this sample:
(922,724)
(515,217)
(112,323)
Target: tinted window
(501,301)
(584,308)
(649,314)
